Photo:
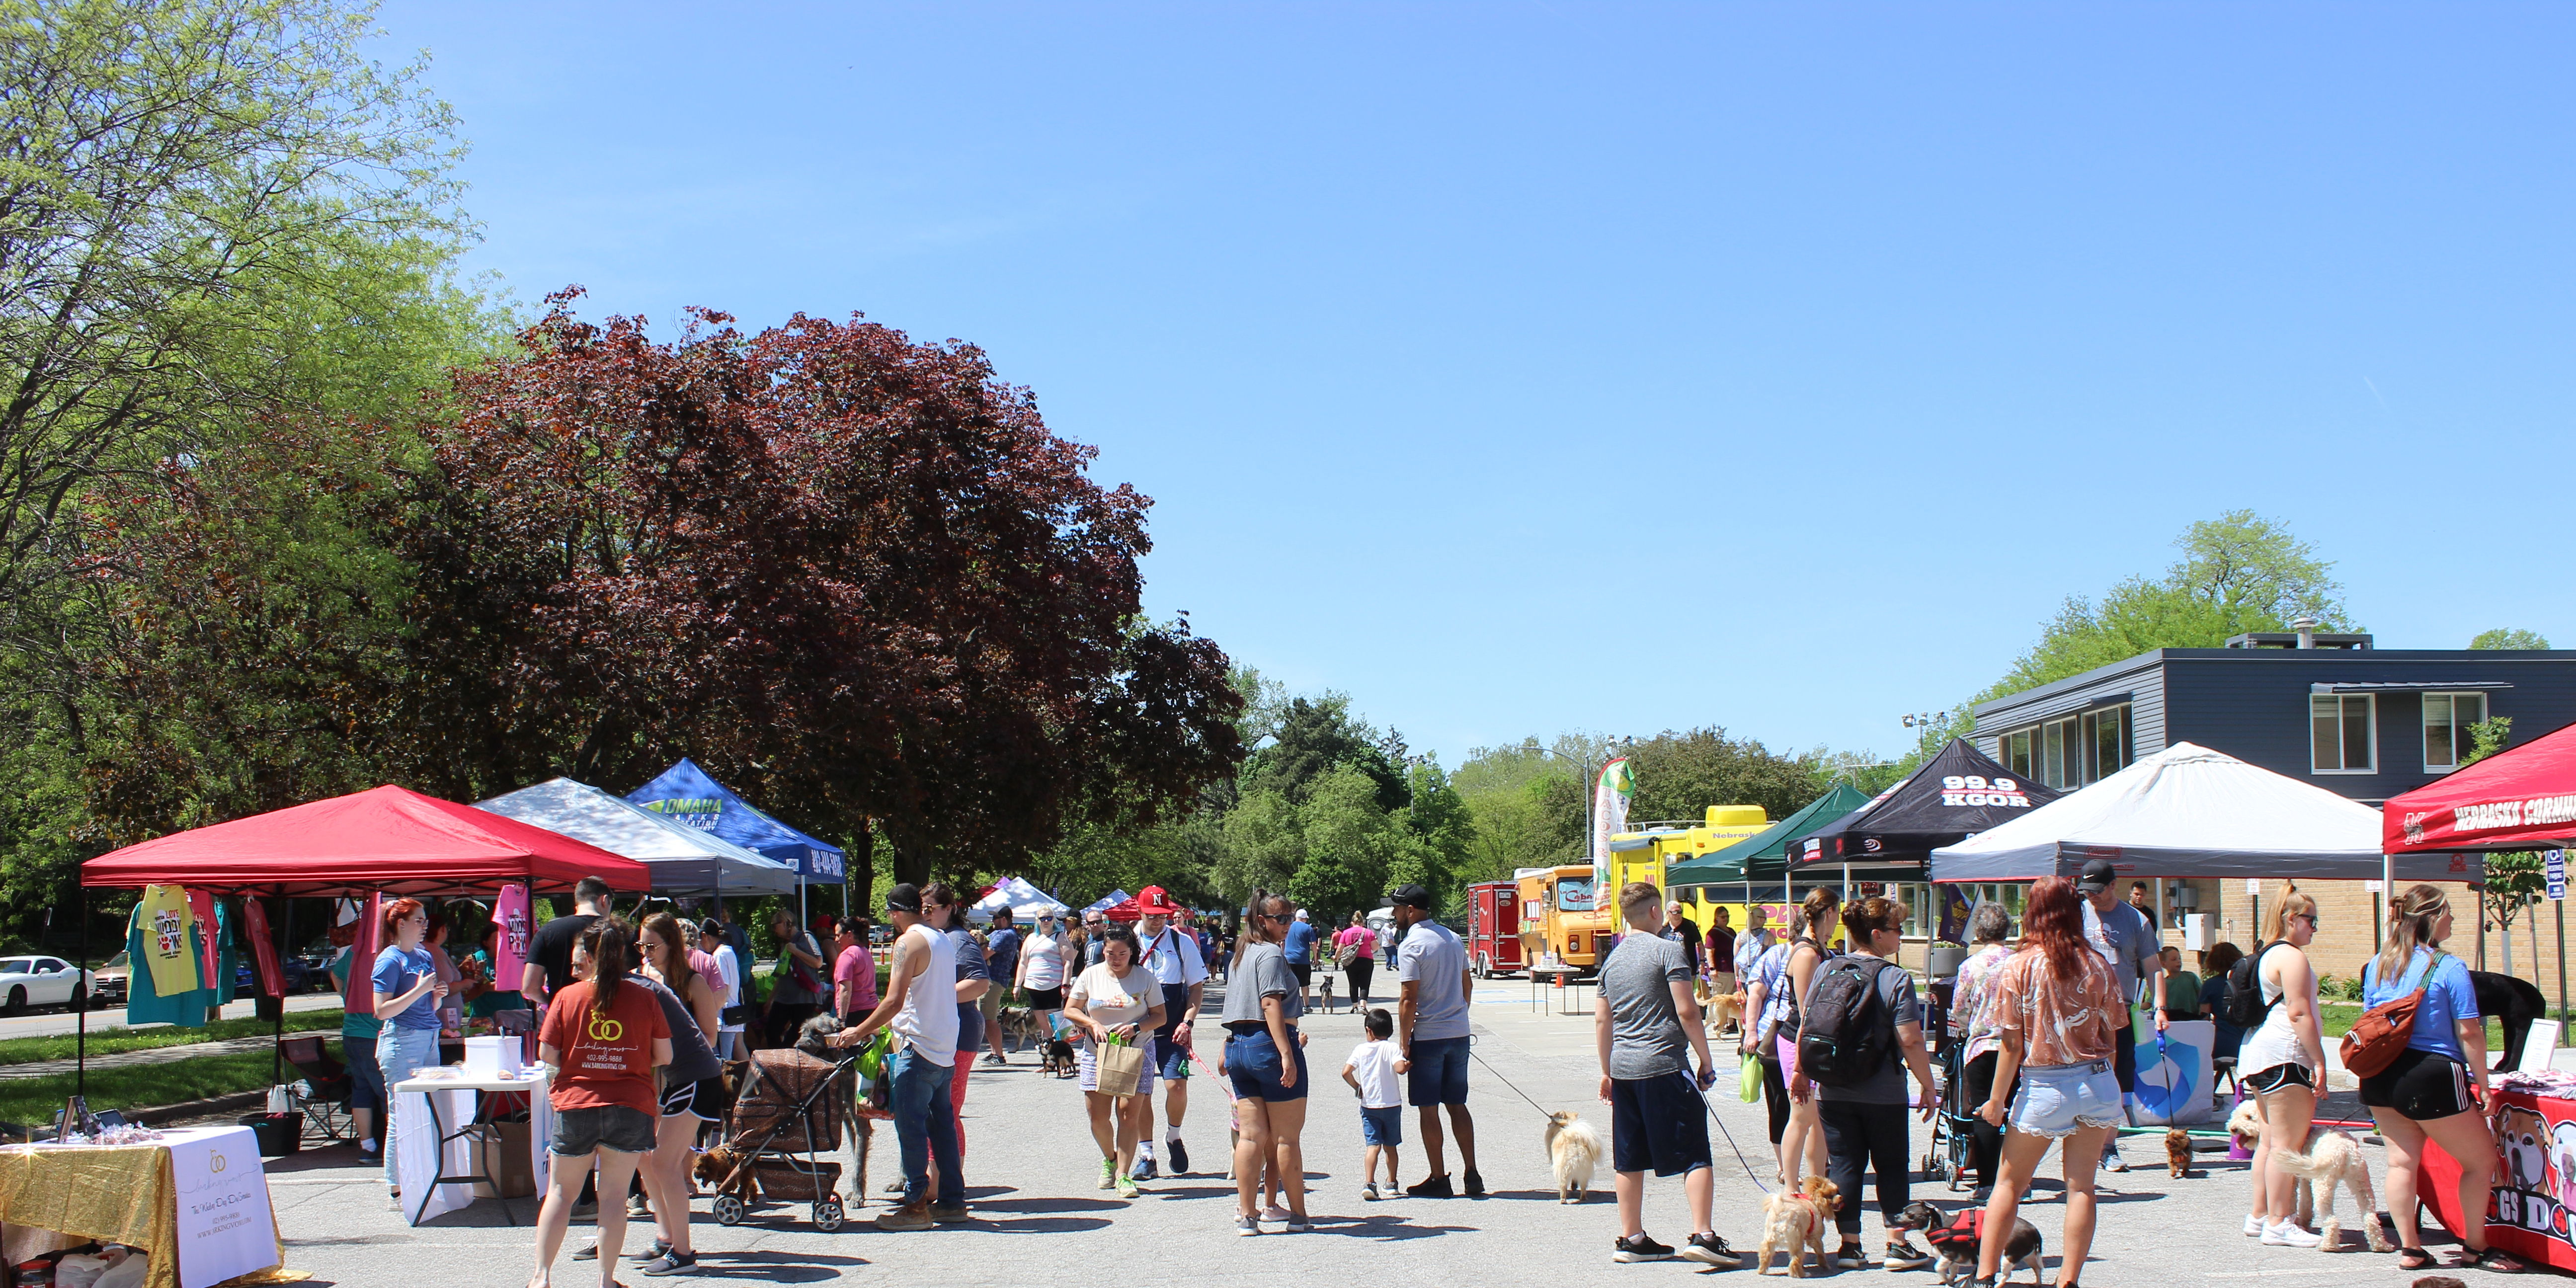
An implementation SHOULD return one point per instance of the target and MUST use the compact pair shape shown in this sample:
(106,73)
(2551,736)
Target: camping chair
(324,1094)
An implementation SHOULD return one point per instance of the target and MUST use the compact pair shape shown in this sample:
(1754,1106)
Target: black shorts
(2422,1085)
(1045,999)
(1304,971)
(701,1099)
(1658,1125)
(2266,1081)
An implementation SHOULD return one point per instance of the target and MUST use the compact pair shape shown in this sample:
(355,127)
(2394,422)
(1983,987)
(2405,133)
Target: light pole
(1585,782)
(1924,723)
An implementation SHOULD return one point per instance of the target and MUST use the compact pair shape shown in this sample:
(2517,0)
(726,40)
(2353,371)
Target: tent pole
(2560,908)
(285,922)
(80,1075)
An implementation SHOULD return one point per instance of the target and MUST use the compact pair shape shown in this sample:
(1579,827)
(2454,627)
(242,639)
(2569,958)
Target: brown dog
(1795,1222)
(720,1169)
(2178,1151)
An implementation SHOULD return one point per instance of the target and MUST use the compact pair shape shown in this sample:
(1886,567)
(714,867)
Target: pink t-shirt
(1356,938)
(856,970)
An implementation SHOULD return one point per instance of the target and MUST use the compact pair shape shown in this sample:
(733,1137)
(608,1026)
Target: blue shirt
(1301,943)
(2448,995)
(2213,994)
(1003,958)
(398,972)
(1435,963)
(970,965)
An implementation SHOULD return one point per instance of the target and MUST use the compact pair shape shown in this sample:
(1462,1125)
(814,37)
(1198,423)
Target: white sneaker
(2288,1235)
(1275,1214)
(2253,1226)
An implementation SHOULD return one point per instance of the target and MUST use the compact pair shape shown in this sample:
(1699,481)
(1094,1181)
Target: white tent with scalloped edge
(1024,901)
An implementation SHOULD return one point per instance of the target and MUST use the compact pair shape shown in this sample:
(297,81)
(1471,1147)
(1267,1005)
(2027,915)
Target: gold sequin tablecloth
(113,1193)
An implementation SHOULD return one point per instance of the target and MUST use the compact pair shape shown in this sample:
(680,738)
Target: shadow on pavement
(1384,1229)
(1048,1205)
(772,1267)
(1041,1225)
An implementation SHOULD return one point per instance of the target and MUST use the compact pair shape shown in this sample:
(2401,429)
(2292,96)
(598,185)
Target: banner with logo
(2173,1072)
(517,923)
(1610,795)
(224,1228)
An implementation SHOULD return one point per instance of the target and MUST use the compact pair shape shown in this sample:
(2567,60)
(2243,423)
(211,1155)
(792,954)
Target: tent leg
(2561,907)
(80,1075)
(285,936)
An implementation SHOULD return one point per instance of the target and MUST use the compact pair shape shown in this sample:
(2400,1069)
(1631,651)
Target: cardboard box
(508,1158)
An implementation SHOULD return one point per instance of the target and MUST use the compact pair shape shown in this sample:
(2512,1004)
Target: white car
(41,981)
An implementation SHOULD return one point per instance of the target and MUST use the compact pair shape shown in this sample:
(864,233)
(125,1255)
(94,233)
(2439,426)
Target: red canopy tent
(1127,909)
(387,839)
(2519,799)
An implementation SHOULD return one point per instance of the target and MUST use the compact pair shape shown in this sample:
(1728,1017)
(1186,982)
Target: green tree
(2502,638)
(1679,775)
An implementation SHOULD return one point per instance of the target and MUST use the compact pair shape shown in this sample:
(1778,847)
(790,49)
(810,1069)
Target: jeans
(925,1125)
(399,1051)
(1874,1136)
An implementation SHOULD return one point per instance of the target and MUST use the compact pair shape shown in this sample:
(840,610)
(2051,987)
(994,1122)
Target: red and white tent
(2519,799)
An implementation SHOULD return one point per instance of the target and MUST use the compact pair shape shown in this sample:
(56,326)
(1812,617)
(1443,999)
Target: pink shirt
(855,974)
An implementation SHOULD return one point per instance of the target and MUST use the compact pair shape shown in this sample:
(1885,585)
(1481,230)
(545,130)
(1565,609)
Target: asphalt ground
(1039,1218)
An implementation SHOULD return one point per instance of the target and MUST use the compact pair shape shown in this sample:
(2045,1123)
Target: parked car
(107,983)
(41,981)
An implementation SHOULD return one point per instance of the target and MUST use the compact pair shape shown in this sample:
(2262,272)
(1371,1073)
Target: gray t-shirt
(1262,973)
(1887,1086)
(1432,959)
(1645,1031)
(2123,936)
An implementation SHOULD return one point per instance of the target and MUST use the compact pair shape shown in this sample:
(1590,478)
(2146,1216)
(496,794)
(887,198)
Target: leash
(1740,1159)
(1543,1111)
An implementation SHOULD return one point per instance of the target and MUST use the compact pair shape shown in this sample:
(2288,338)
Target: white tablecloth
(415,1139)
(224,1226)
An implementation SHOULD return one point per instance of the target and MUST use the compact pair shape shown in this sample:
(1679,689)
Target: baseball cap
(1156,902)
(1410,895)
(2098,876)
(1301,914)
(904,898)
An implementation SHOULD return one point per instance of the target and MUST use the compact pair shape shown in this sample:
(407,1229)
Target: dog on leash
(1794,1222)
(1019,1027)
(1573,1152)
(1956,1241)
(1324,995)
(2178,1151)
(2332,1158)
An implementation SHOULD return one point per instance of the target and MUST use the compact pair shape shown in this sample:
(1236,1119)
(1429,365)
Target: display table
(196,1201)
(2527,1214)
(439,1129)
(1570,979)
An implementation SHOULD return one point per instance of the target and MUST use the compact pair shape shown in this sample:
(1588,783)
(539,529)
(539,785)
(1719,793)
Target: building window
(2015,753)
(2341,739)
(2110,742)
(2447,717)
(2071,752)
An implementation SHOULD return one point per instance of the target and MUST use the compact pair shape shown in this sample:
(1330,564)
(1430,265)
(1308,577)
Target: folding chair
(323,1095)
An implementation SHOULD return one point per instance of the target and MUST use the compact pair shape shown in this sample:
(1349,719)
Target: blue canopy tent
(686,794)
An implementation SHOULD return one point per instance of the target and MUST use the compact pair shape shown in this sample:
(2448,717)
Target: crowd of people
(639,1020)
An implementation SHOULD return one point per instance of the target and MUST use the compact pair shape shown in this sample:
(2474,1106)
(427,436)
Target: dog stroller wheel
(728,1210)
(1958,1177)
(827,1215)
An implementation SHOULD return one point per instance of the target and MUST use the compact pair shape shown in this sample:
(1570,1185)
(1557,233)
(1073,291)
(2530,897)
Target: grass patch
(28,1102)
(64,1046)
(2335,1019)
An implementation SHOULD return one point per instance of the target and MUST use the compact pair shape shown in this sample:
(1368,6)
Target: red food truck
(1494,928)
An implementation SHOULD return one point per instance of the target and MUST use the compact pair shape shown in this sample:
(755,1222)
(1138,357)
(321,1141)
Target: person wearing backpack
(2273,995)
(1860,1018)
(2424,1091)
(1801,1145)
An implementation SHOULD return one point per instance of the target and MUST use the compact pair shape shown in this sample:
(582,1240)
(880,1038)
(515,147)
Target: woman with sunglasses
(408,992)
(2286,1053)
(1266,1061)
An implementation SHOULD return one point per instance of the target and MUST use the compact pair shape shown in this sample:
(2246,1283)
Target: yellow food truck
(1564,917)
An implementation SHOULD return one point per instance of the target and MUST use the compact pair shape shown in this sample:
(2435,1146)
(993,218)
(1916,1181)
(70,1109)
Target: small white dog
(1573,1150)
(2332,1158)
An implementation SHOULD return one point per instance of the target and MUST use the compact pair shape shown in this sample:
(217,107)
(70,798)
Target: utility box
(2195,931)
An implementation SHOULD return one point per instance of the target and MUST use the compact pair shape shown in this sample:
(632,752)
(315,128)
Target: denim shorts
(619,1127)
(1253,1065)
(1439,1072)
(1382,1125)
(2057,1100)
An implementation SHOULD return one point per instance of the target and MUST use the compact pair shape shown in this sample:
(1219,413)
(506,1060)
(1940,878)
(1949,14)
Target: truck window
(1574,894)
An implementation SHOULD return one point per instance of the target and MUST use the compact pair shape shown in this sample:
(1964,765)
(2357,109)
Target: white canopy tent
(1024,901)
(2188,811)
(683,859)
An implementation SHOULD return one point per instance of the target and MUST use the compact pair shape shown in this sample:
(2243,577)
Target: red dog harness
(1966,1231)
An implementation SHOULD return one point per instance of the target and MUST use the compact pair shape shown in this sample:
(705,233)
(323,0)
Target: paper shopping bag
(1121,1068)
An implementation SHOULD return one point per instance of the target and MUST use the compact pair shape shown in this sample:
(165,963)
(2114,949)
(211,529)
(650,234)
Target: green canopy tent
(1764,856)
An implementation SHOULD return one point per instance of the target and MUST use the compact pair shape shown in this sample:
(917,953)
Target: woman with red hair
(2056,1009)
(407,995)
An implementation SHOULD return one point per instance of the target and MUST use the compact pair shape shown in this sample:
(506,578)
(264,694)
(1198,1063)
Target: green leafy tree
(2501,638)
(1679,775)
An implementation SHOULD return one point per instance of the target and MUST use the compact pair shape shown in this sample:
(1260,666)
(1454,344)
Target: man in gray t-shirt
(1641,1022)
(1646,1039)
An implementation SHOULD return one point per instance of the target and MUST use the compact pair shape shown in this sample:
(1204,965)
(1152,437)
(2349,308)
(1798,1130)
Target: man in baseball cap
(1174,959)
(1431,1032)
(920,1005)
(2127,940)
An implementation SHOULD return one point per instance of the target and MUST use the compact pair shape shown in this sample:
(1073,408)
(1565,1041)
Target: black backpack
(2245,1006)
(1846,1034)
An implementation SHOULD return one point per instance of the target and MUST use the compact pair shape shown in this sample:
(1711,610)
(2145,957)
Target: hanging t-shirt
(168,948)
(607,1054)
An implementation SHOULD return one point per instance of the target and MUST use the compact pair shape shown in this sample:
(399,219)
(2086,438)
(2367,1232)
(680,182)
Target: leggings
(1875,1136)
(1985,1139)
(1361,970)
(1775,1096)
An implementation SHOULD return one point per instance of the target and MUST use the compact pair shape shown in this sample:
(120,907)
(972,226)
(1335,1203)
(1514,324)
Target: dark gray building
(2367,723)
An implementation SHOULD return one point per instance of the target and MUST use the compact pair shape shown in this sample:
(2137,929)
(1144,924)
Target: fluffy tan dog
(1573,1152)
(2332,1158)
(1795,1222)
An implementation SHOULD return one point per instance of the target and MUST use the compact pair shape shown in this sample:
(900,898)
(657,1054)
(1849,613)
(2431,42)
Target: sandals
(2492,1259)
(2414,1259)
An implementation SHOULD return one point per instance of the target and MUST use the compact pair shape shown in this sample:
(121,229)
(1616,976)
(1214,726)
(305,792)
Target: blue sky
(1526,368)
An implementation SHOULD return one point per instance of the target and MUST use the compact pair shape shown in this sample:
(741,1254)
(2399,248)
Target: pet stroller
(789,1111)
(1953,1124)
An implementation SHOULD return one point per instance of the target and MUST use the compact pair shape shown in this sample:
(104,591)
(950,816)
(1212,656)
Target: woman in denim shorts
(2056,1009)
(606,1038)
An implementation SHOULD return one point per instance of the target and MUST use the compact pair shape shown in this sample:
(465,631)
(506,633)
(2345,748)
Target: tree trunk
(859,869)
(911,865)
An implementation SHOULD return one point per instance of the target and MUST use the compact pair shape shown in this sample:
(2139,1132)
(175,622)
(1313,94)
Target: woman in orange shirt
(606,1040)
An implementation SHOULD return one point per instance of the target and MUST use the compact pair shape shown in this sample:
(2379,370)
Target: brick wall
(2346,934)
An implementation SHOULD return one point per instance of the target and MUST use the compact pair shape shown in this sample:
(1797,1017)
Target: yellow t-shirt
(168,948)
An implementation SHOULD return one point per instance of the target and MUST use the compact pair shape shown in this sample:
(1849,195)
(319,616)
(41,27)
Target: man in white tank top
(920,1005)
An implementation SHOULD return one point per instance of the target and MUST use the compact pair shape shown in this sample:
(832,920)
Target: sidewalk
(148,1055)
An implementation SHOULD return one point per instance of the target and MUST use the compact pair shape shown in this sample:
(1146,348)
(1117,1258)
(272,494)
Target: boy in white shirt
(1371,1073)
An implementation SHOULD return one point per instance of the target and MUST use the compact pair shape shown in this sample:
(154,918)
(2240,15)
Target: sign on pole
(2554,871)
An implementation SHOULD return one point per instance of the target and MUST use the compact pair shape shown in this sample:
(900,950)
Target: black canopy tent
(1956,794)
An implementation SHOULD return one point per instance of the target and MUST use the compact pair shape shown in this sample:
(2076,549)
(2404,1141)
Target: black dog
(1955,1240)
(2516,1002)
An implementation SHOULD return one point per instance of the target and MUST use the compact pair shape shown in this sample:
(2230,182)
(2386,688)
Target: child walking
(1371,1072)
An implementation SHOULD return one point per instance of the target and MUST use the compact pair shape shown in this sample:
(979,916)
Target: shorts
(1304,971)
(1086,1062)
(623,1128)
(702,1099)
(1253,1065)
(2056,1101)
(1439,1073)
(1656,1124)
(2421,1085)
(1171,1059)
(1045,999)
(991,1002)
(2280,1077)
(1382,1125)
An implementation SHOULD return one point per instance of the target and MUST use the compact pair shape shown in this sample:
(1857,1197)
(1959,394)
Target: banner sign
(224,1229)
(2173,1072)
(518,928)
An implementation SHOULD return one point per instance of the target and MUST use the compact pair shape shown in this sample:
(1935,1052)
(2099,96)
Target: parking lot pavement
(1039,1218)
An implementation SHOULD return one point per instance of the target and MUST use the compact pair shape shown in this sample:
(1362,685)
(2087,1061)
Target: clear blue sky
(1542,367)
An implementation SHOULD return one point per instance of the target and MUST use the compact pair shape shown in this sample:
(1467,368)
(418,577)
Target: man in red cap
(1174,959)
